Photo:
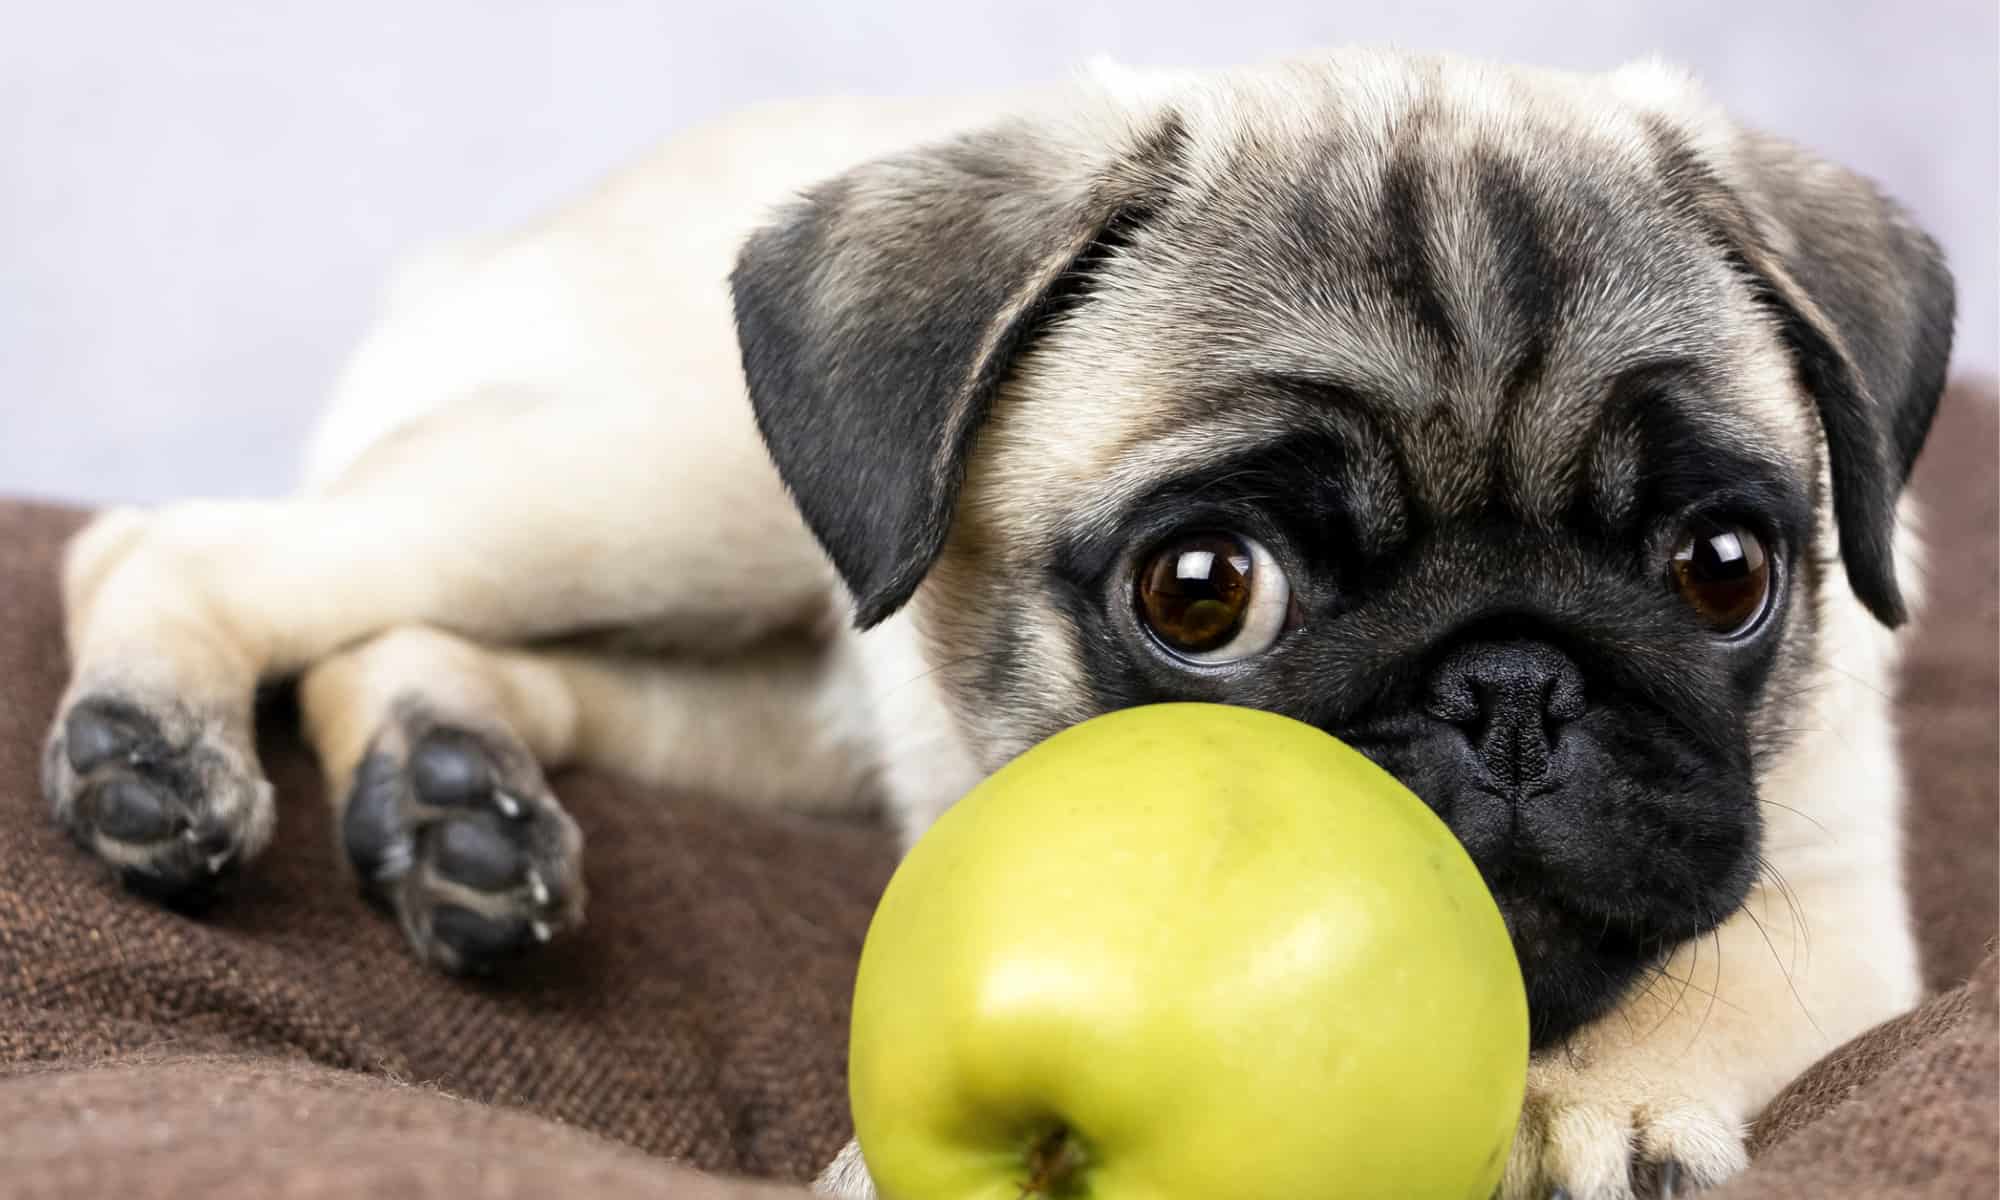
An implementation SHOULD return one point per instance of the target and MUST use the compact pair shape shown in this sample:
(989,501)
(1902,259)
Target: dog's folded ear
(879,313)
(1864,303)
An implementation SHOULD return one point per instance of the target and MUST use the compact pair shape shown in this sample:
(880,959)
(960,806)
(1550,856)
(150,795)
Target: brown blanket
(285,1044)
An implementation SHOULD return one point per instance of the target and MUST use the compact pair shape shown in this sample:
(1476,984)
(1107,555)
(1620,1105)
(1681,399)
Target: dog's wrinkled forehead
(1470,263)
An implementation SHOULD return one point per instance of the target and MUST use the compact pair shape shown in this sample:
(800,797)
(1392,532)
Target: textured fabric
(701,1015)
(1947,697)
(1911,1109)
(286,1044)
(259,1128)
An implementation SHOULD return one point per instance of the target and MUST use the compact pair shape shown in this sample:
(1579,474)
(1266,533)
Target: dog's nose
(1510,698)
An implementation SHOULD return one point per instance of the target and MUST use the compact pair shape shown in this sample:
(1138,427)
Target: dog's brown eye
(1723,573)
(1213,597)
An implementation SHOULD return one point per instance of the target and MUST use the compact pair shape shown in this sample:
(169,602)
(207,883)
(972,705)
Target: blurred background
(200,200)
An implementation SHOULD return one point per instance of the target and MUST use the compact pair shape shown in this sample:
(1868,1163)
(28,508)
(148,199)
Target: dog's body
(1461,369)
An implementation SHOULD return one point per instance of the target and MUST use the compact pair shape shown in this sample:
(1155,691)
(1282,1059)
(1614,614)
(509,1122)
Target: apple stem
(1054,1162)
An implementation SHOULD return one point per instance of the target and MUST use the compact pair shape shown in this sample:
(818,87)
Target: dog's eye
(1214,597)
(1723,573)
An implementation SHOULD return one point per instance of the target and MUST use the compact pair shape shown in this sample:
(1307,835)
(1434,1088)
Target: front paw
(1605,1134)
(456,832)
(173,799)
(846,1177)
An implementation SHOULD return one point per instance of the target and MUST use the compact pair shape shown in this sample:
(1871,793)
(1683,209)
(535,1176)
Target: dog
(1542,435)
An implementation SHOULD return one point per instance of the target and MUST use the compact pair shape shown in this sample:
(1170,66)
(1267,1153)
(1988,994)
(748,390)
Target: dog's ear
(1864,303)
(879,313)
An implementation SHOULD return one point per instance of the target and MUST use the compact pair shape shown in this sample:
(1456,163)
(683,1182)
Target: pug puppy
(1541,435)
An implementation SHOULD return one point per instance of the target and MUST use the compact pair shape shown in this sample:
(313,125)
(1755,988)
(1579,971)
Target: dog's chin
(1575,966)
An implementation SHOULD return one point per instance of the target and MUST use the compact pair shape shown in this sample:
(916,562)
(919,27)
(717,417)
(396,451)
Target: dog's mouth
(1576,964)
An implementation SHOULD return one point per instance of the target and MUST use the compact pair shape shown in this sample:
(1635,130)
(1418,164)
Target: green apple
(1187,952)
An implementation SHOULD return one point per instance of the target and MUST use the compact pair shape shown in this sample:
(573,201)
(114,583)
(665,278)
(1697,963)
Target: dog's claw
(1670,1179)
(537,890)
(541,931)
(509,806)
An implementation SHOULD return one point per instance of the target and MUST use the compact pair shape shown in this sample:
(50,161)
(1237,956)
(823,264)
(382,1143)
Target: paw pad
(459,835)
(174,802)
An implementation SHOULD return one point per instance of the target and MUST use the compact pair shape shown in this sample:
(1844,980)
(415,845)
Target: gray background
(199,200)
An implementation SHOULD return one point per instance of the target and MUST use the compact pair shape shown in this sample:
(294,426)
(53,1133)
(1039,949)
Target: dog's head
(1521,429)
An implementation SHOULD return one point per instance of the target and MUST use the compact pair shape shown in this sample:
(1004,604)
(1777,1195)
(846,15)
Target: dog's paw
(457,833)
(173,799)
(846,1177)
(1607,1134)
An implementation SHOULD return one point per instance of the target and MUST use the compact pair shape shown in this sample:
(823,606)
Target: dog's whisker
(1694,964)
(1715,996)
(946,665)
(1801,931)
(1662,969)
(1804,816)
(1790,983)
(1828,664)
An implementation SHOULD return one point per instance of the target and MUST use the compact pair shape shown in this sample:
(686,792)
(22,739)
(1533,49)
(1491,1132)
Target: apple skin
(1215,953)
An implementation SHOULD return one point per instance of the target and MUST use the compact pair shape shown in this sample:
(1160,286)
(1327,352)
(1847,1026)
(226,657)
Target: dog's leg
(433,748)
(512,521)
